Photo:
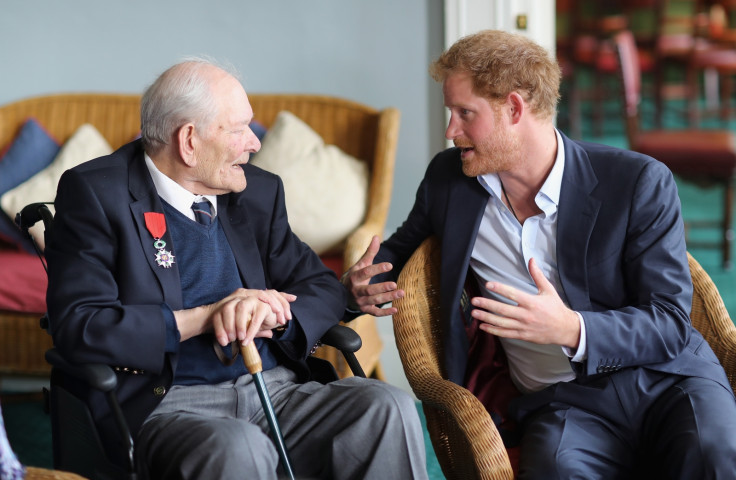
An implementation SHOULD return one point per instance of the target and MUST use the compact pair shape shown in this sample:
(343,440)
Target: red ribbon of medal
(156,225)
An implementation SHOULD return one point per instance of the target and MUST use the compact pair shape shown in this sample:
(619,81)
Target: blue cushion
(31,151)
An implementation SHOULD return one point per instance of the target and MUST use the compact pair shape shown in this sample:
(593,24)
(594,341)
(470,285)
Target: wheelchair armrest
(342,338)
(98,376)
(348,342)
(103,378)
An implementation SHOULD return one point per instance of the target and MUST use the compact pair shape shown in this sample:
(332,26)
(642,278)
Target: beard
(498,152)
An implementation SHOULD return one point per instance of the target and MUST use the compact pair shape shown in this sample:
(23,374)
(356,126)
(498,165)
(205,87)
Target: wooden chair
(587,58)
(687,54)
(464,437)
(707,157)
(35,473)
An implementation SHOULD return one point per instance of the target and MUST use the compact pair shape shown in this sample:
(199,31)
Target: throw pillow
(30,151)
(85,144)
(326,189)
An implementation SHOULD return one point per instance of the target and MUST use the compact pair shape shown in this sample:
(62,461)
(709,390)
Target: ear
(517,106)
(186,142)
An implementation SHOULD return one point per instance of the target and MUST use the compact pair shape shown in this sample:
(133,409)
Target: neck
(522,183)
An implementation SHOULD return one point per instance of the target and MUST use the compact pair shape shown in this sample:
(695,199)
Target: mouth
(465,151)
(240,163)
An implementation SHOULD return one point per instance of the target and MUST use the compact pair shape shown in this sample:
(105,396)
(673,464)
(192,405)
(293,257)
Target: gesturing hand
(542,318)
(363,295)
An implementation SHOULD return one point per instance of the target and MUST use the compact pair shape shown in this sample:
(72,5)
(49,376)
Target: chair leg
(728,233)
(693,93)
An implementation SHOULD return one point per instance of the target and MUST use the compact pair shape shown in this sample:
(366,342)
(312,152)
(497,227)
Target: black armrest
(103,378)
(348,342)
(342,338)
(98,376)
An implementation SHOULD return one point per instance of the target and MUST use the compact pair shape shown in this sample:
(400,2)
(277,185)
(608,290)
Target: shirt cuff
(582,351)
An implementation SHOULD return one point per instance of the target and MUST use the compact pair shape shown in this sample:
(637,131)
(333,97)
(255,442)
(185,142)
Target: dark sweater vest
(208,273)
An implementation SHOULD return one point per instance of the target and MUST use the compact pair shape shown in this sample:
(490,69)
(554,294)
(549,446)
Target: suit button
(159,391)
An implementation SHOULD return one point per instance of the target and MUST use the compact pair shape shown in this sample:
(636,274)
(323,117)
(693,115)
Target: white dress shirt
(176,195)
(501,254)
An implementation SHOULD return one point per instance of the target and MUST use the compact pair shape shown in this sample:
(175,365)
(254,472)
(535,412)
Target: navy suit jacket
(106,290)
(620,251)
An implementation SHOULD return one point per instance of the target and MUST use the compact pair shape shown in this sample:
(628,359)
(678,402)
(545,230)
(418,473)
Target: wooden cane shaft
(251,357)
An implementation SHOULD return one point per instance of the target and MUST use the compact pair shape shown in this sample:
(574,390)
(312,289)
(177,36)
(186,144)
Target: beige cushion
(85,144)
(326,189)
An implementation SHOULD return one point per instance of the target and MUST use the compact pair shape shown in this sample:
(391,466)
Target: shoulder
(611,165)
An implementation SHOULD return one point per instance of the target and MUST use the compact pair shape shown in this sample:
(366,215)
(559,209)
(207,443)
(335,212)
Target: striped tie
(202,212)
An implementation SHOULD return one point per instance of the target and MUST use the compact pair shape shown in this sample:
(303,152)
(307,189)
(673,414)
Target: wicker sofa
(363,132)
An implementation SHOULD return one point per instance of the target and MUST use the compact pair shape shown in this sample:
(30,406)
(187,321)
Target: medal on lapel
(156,225)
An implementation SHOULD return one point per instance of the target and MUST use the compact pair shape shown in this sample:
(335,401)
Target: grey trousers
(353,428)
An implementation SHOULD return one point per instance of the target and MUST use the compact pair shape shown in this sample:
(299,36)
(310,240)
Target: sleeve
(418,226)
(654,324)
(292,267)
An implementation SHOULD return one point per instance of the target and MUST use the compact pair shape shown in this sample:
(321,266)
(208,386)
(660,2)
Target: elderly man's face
(227,142)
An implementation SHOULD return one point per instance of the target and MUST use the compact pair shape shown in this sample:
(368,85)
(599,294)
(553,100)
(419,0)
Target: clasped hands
(243,315)
(541,318)
(246,314)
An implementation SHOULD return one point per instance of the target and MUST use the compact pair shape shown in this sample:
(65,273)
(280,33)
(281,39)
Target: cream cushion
(326,189)
(85,144)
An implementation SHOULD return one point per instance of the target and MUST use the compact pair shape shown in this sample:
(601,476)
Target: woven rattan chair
(463,435)
(35,473)
(361,131)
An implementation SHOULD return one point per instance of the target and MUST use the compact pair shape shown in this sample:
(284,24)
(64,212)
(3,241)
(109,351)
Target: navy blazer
(106,290)
(620,250)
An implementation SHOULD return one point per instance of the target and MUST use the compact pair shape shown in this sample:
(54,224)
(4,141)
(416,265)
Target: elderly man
(174,241)
(577,254)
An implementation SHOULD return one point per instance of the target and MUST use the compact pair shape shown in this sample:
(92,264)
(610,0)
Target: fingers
(542,283)
(370,252)
(279,303)
(491,311)
(259,316)
(362,275)
(242,318)
(369,298)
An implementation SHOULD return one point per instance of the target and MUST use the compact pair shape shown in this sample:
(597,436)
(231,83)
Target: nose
(252,145)
(452,130)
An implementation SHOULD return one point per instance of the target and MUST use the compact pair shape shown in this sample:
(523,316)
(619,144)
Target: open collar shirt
(501,253)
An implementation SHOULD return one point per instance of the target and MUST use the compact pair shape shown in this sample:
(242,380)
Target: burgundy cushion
(22,282)
(333,262)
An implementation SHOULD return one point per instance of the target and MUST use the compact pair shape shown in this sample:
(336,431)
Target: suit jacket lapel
(234,220)
(577,214)
(466,204)
(147,200)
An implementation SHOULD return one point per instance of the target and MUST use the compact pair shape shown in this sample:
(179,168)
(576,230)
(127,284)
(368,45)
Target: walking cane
(254,365)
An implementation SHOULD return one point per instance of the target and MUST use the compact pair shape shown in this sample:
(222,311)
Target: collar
(174,194)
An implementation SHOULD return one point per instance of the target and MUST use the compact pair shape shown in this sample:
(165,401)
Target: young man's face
(227,142)
(481,130)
